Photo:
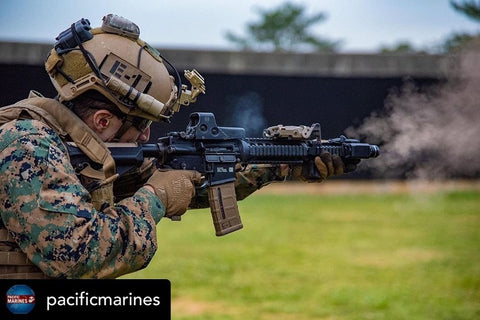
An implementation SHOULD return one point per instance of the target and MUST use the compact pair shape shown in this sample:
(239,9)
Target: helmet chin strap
(127,122)
(130,121)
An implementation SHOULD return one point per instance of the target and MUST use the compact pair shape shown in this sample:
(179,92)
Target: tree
(469,8)
(285,28)
(457,40)
(399,47)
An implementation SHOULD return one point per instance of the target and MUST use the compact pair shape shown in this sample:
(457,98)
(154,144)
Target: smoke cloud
(429,133)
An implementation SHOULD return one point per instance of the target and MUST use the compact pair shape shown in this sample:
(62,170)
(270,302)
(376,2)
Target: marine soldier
(61,222)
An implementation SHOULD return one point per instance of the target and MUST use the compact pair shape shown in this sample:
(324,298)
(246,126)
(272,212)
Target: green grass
(327,257)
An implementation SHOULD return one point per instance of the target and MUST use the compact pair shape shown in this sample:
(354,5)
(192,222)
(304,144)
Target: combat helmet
(112,60)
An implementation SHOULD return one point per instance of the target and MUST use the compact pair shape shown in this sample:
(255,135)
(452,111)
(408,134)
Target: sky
(362,26)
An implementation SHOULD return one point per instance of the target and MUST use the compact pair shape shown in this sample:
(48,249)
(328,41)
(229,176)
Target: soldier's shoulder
(24,128)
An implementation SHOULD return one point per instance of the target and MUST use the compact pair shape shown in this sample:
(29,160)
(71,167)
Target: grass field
(332,256)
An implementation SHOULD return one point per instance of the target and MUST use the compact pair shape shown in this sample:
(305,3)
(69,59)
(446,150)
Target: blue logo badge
(20,299)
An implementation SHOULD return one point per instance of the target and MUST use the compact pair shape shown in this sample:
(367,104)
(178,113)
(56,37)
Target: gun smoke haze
(429,134)
(247,112)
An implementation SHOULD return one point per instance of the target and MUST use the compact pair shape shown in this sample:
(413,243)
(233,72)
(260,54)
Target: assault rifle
(215,151)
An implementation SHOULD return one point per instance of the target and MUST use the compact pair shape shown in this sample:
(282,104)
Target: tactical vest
(14,264)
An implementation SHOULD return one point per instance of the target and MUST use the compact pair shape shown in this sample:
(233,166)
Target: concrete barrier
(263,63)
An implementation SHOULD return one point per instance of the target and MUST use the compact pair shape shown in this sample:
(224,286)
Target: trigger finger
(196,176)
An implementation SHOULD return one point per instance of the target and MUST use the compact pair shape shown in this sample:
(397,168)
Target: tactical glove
(327,165)
(175,188)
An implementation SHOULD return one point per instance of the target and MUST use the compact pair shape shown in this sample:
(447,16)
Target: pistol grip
(224,208)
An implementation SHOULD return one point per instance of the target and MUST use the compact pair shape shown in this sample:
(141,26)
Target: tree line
(288,28)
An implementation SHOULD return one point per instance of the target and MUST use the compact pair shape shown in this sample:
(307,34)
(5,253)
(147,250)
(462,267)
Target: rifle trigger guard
(203,186)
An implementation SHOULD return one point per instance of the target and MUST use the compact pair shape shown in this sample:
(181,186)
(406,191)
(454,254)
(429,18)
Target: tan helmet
(113,61)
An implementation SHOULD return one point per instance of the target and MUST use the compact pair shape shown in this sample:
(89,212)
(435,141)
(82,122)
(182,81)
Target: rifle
(215,151)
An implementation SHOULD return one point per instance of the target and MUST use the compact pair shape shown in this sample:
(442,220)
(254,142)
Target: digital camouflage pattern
(51,217)
(256,176)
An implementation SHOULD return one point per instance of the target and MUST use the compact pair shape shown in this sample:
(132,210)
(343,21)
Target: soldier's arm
(249,180)
(51,215)
(128,183)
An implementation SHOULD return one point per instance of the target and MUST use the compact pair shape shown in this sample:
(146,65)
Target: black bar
(62,299)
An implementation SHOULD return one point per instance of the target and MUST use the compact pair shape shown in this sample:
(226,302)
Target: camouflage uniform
(49,213)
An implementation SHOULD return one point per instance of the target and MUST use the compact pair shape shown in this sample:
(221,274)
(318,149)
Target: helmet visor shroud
(114,62)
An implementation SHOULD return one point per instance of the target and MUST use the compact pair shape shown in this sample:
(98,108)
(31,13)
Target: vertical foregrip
(224,208)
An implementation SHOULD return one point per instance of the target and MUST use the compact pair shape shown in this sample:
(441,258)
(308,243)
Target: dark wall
(251,101)
(336,103)
(18,80)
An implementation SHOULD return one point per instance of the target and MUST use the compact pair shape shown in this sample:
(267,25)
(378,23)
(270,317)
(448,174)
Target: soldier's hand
(327,165)
(175,188)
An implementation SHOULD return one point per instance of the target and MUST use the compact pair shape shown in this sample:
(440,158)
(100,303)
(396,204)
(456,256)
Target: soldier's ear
(101,120)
